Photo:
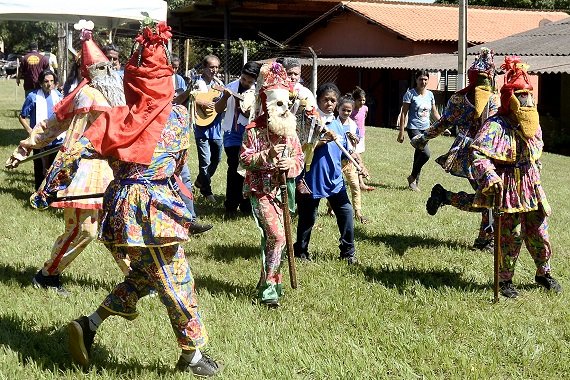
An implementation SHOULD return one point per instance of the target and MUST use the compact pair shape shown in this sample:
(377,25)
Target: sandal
(367,188)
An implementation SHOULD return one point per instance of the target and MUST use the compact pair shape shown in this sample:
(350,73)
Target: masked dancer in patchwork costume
(101,90)
(466,110)
(506,153)
(143,216)
(270,147)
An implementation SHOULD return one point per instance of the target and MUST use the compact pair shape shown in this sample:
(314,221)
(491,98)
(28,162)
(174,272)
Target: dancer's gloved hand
(19,154)
(419,141)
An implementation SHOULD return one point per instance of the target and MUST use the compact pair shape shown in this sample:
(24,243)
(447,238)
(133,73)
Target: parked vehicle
(9,66)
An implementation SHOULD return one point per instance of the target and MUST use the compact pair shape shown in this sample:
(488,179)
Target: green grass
(418,306)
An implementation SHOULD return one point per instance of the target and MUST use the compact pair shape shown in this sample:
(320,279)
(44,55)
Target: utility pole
(462,46)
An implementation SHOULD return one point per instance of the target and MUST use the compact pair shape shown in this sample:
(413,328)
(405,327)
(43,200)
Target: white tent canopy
(104,13)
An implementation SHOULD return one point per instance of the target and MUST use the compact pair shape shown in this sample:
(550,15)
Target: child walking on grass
(359,113)
(345,109)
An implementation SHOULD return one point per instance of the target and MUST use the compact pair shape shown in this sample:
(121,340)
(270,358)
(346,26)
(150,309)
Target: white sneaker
(211,198)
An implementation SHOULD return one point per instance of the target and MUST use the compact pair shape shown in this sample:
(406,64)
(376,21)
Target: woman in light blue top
(417,106)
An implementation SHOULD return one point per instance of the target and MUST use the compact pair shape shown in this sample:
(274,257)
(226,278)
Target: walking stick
(45,153)
(287,227)
(76,197)
(497,245)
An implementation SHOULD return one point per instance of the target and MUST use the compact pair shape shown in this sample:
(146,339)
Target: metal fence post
(314,76)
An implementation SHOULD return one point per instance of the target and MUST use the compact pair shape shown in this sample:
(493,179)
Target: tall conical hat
(91,54)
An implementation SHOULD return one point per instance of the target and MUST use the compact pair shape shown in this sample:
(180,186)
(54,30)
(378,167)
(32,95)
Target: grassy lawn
(417,306)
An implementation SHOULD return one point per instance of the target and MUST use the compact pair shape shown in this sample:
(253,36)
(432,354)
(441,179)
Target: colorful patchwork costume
(75,114)
(262,179)
(466,110)
(506,153)
(143,216)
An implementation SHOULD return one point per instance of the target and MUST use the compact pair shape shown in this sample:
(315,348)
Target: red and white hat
(516,78)
(91,54)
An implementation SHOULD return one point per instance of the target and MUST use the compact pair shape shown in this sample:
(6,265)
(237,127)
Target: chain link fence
(191,51)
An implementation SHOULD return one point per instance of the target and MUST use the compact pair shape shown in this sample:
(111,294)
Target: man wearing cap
(233,126)
(506,154)
(100,90)
(270,147)
(143,217)
(466,110)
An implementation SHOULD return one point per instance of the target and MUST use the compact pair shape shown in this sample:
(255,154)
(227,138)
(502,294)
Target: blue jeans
(307,208)
(209,156)
(187,180)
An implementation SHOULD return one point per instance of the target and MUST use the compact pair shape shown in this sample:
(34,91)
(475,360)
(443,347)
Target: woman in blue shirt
(417,106)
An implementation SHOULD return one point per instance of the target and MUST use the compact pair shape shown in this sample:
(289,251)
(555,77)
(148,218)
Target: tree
(18,35)
(529,4)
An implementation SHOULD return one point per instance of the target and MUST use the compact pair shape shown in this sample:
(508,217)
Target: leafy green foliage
(18,35)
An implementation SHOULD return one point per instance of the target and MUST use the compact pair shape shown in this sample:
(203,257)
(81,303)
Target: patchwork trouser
(464,201)
(532,227)
(268,215)
(166,270)
(351,176)
(80,230)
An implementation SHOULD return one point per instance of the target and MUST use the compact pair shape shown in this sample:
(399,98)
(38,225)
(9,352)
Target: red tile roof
(438,22)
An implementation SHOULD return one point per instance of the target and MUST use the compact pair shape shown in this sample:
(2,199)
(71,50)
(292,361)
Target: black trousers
(234,183)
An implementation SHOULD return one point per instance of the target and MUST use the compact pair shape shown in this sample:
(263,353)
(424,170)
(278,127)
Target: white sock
(192,357)
(94,321)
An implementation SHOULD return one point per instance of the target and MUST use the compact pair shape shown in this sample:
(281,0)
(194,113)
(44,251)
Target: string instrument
(205,116)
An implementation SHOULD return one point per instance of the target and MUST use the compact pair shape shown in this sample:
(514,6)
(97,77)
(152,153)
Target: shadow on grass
(215,286)
(230,253)
(12,136)
(18,193)
(399,244)
(400,278)
(24,278)
(47,349)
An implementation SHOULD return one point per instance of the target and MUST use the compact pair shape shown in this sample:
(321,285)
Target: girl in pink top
(359,116)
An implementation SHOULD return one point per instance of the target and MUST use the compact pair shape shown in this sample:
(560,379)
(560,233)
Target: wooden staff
(497,254)
(76,197)
(287,227)
(45,153)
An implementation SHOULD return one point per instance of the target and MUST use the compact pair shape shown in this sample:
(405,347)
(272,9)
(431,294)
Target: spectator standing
(112,53)
(233,125)
(209,137)
(31,67)
(52,59)
(38,107)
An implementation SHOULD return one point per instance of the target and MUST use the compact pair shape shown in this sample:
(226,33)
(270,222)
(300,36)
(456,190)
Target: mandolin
(205,117)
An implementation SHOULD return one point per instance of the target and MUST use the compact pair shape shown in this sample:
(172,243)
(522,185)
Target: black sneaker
(198,228)
(437,199)
(271,304)
(508,289)
(483,244)
(80,340)
(548,283)
(206,366)
(49,282)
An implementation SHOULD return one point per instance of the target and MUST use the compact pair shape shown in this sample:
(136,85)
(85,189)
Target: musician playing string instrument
(233,125)
(209,136)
